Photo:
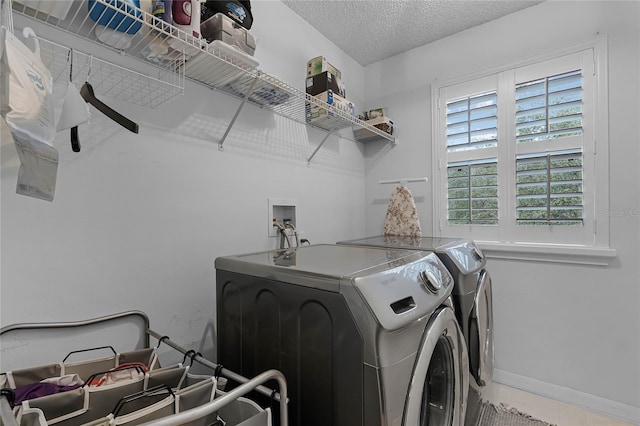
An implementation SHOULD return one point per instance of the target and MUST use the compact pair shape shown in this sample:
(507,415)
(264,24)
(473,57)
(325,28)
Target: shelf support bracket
(235,116)
(320,145)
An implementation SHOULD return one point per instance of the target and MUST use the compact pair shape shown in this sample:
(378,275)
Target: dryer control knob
(431,284)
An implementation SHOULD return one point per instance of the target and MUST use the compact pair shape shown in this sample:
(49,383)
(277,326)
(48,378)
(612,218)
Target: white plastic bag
(28,110)
(75,110)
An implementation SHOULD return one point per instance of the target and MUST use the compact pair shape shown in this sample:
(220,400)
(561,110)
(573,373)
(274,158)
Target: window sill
(555,253)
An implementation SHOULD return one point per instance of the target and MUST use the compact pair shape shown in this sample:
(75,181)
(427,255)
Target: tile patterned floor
(546,409)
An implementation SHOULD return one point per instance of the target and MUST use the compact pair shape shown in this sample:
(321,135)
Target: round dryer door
(481,339)
(440,380)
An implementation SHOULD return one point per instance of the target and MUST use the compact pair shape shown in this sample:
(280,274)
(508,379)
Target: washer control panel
(431,283)
(403,294)
(465,255)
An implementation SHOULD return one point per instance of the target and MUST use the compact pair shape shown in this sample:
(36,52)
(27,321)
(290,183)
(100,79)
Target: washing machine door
(482,331)
(437,394)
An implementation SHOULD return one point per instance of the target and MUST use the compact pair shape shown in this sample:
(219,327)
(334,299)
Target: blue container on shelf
(119,20)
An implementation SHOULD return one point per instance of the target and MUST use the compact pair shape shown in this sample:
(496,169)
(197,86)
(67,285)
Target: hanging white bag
(75,110)
(29,112)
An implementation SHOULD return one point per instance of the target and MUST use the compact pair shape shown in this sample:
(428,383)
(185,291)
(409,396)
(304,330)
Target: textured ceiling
(372,30)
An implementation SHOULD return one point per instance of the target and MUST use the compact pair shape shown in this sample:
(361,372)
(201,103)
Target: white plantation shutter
(472,193)
(550,107)
(549,189)
(549,146)
(472,136)
(472,123)
(515,152)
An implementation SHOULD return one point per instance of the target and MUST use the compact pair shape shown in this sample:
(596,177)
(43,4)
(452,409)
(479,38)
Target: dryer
(365,336)
(472,299)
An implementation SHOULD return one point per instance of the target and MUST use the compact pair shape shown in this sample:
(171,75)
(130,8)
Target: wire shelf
(108,79)
(177,55)
(285,100)
(137,83)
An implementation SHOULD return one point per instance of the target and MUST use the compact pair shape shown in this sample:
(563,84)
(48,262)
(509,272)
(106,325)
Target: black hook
(160,341)
(187,354)
(218,371)
(195,354)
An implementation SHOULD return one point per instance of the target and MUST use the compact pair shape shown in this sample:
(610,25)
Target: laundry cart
(104,386)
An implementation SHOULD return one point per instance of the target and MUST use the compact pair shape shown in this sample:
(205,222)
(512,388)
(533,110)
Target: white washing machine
(472,300)
(365,336)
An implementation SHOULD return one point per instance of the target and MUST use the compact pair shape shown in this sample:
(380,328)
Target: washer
(472,299)
(365,336)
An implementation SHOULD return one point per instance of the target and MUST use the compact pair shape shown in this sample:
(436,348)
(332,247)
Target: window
(549,189)
(472,193)
(550,107)
(514,154)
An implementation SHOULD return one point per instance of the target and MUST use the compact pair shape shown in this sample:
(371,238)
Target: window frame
(595,232)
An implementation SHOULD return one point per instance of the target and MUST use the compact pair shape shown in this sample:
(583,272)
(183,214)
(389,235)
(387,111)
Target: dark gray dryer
(472,298)
(365,336)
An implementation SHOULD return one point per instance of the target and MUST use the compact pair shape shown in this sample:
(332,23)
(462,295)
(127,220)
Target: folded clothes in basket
(40,389)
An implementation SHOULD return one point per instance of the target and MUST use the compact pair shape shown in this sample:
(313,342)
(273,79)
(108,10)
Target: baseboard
(604,406)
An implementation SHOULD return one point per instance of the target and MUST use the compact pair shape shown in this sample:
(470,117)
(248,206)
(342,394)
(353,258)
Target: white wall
(138,220)
(568,331)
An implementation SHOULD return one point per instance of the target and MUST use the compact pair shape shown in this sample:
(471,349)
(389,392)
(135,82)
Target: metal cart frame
(246,385)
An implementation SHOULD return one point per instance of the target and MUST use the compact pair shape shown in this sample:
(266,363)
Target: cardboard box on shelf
(315,112)
(323,82)
(381,123)
(319,65)
(378,112)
